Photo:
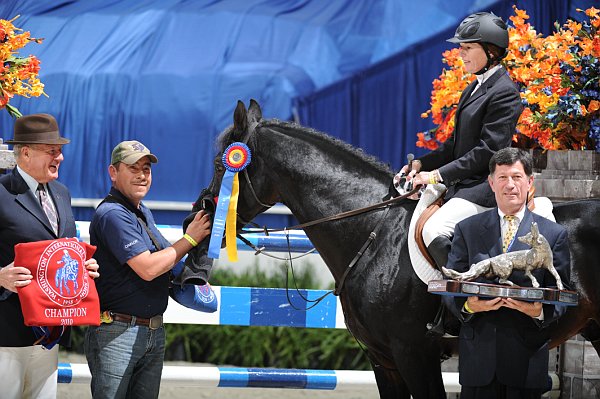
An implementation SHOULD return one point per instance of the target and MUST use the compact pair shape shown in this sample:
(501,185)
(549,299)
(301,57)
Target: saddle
(434,207)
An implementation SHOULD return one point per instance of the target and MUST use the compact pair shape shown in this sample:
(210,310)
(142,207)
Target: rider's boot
(439,249)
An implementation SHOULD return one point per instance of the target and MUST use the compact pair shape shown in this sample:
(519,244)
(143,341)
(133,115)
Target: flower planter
(567,175)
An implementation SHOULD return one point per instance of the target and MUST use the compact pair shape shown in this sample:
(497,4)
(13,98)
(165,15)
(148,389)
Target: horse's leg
(390,383)
(572,322)
(591,332)
(418,362)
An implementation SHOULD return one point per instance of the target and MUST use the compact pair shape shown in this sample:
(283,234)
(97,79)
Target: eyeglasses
(53,152)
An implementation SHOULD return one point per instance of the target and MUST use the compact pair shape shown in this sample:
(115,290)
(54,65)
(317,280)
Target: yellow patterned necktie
(511,230)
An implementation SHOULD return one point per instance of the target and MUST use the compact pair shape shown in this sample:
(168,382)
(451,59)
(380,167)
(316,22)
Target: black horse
(386,306)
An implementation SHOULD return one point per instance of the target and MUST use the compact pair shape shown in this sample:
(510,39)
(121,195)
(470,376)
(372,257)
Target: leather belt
(152,323)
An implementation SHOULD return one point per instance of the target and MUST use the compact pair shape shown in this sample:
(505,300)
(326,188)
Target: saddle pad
(61,291)
(422,267)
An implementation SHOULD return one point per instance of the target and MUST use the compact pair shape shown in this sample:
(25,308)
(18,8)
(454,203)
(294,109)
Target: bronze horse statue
(386,305)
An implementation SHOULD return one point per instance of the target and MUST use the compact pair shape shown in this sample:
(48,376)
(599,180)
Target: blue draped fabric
(379,108)
(169,73)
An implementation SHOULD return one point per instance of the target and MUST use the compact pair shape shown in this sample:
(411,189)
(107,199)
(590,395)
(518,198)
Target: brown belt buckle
(155,322)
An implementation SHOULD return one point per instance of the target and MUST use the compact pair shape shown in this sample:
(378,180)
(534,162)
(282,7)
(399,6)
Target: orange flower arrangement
(559,81)
(18,75)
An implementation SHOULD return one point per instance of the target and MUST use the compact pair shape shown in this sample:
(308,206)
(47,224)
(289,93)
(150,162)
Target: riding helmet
(482,27)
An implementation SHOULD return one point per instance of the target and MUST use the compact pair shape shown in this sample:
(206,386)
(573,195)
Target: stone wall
(567,175)
(580,374)
(7,159)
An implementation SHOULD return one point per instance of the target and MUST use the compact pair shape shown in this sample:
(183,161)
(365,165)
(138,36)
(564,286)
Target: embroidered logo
(59,274)
(138,147)
(204,293)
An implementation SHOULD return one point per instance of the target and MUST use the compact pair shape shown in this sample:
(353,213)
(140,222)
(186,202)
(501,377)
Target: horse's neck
(317,178)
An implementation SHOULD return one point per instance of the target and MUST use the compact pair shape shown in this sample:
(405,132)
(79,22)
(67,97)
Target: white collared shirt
(485,76)
(504,224)
(33,186)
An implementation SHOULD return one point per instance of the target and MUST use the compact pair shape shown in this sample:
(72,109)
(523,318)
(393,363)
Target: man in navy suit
(29,370)
(503,346)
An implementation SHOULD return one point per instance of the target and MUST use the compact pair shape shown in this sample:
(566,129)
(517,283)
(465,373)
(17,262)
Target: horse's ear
(254,112)
(240,122)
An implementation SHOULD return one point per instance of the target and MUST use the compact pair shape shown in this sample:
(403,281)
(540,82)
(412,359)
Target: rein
(342,215)
(372,236)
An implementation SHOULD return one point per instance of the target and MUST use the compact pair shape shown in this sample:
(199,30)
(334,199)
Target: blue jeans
(125,361)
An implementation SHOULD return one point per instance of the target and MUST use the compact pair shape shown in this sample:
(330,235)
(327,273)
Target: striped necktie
(46,204)
(511,230)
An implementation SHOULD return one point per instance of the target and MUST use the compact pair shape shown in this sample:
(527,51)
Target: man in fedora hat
(35,207)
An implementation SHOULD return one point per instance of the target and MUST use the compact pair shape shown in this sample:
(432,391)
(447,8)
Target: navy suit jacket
(485,122)
(505,342)
(22,219)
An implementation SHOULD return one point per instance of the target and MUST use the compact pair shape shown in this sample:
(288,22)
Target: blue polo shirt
(119,236)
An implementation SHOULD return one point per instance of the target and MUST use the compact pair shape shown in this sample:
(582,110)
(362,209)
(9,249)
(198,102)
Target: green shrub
(281,347)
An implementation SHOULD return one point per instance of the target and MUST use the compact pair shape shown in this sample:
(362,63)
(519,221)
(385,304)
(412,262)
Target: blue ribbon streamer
(218,227)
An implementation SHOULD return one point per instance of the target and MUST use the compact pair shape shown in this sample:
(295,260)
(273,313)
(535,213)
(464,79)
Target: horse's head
(255,194)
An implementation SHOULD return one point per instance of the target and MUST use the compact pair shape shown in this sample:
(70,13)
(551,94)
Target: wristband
(467,308)
(190,240)
(433,177)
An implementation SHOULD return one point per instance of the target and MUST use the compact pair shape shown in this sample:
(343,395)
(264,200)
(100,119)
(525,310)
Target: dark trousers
(497,390)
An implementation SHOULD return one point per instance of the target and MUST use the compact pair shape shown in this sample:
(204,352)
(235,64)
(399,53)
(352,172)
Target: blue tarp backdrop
(169,73)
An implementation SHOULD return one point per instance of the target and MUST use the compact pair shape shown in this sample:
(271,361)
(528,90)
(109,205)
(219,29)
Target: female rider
(485,122)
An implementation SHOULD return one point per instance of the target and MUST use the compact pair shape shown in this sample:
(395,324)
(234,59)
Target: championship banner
(61,292)
(235,158)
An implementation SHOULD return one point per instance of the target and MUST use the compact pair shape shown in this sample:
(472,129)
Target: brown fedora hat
(37,129)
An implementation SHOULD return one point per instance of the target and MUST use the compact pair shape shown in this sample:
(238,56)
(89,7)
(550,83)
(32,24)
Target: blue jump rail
(274,242)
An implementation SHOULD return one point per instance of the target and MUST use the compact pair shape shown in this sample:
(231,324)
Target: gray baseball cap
(129,152)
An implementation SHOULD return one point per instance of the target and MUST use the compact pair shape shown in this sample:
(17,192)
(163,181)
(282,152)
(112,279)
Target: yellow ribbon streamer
(230,224)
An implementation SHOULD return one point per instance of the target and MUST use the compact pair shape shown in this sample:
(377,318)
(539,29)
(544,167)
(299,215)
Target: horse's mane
(297,130)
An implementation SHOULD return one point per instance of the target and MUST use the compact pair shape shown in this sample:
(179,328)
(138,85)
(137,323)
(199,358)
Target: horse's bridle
(384,204)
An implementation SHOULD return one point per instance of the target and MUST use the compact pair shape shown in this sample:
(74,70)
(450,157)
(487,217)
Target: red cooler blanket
(61,292)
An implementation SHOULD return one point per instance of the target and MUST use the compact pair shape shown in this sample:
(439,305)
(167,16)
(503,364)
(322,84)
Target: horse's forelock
(225,138)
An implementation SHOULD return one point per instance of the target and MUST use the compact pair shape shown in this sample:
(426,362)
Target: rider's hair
(509,156)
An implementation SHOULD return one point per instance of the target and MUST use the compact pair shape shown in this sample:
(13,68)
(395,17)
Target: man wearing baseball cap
(35,207)
(125,353)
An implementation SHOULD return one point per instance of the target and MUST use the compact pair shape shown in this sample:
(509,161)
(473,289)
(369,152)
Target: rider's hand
(199,228)
(415,168)
(531,309)
(12,276)
(421,178)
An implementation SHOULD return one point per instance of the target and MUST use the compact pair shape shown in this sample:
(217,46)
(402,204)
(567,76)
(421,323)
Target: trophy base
(468,288)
